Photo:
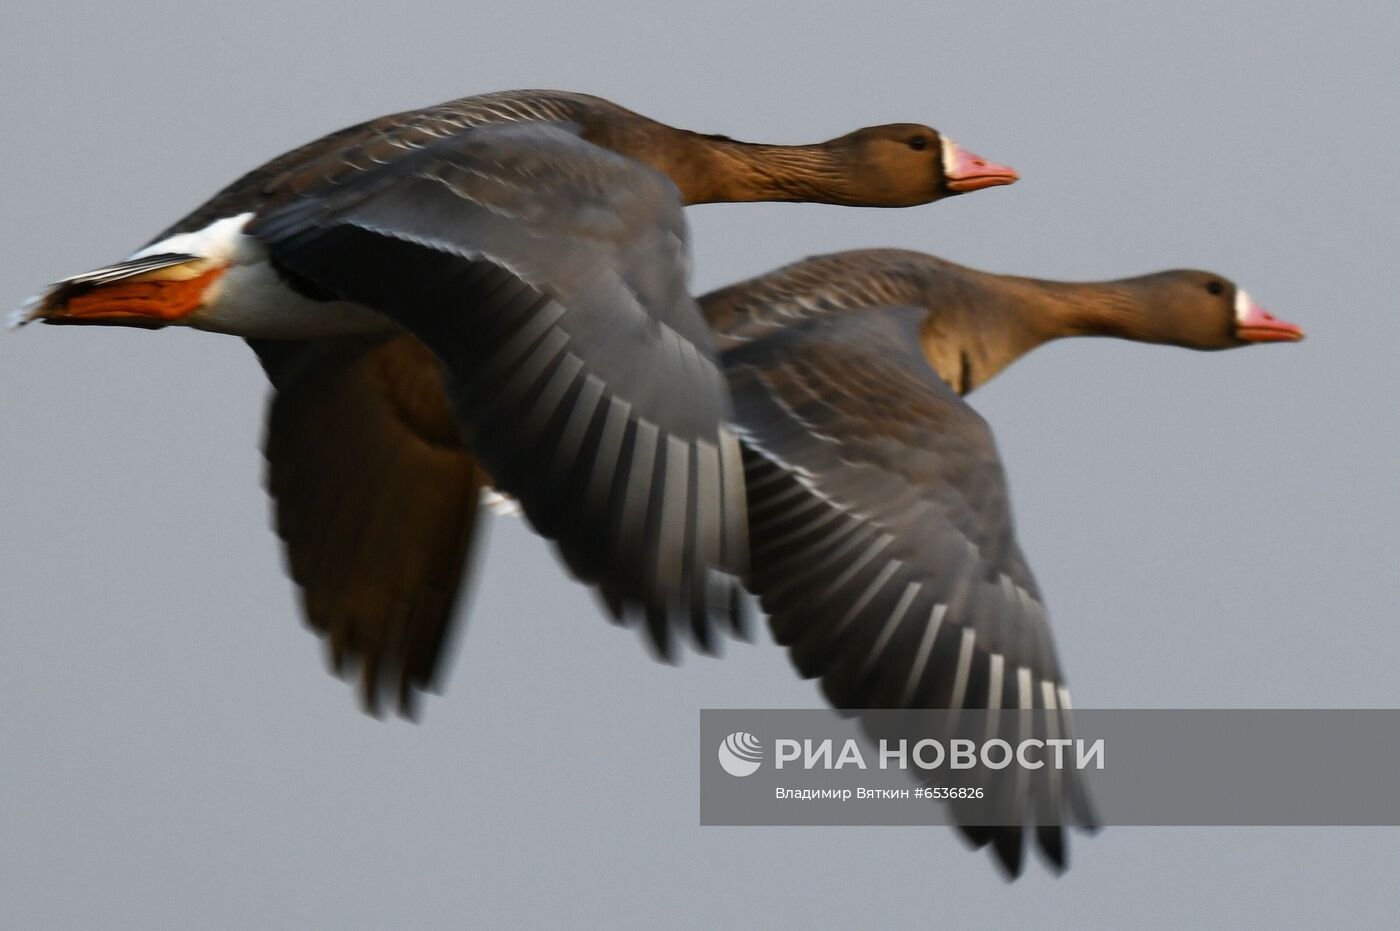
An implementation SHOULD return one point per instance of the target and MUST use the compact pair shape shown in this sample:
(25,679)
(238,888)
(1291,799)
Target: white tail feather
(26,313)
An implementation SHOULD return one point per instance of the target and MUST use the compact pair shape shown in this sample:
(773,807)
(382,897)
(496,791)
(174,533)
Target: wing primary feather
(880,544)
(911,591)
(705,507)
(868,595)
(960,677)
(916,669)
(631,523)
(735,503)
(536,335)
(606,461)
(673,528)
(566,454)
(549,398)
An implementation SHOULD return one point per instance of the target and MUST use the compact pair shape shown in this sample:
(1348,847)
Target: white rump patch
(223,241)
(250,299)
(502,505)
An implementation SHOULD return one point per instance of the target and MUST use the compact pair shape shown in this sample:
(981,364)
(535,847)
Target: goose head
(1203,310)
(904,164)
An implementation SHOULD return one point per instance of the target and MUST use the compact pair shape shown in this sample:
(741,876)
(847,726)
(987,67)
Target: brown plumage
(881,540)
(533,242)
(978,322)
(377,501)
(545,212)
(891,570)
(878,166)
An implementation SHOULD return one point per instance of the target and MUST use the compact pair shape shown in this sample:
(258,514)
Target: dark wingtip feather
(658,625)
(410,708)
(976,836)
(369,697)
(1050,839)
(611,600)
(1008,849)
(740,617)
(700,628)
(703,636)
(336,656)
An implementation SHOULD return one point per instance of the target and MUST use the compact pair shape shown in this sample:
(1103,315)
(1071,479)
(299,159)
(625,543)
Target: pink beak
(967,172)
(1254,324)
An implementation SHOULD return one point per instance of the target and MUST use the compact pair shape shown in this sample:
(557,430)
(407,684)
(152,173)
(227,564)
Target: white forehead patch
(950,154)
(1242,304)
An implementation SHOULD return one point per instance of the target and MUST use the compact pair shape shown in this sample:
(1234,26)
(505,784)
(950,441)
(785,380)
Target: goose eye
(918,143)
(1215,287)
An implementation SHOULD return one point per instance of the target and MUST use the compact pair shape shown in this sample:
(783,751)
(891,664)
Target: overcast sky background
(1211,530)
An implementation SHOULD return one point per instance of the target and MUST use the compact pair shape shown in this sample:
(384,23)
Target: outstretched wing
(881,537)
(376,501)
(549,276)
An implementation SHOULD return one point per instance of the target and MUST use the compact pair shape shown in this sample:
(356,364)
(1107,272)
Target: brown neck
(1163,307)
(710,170)
(1001,318)
(1083,308)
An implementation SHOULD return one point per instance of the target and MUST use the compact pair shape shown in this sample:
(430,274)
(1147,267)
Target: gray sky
(1210,529)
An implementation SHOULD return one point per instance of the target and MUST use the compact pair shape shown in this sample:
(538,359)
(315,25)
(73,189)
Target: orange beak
(964,171)
(1254,324)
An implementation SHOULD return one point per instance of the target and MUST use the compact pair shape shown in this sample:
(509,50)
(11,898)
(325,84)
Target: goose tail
(148,291)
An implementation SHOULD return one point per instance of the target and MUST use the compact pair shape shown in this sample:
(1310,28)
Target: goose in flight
(533,242)
(880,532)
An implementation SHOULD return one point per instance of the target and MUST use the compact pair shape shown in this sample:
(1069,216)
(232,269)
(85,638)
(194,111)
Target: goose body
(881,539)
(882,546)
(244,293)
(492,292)
(531,241)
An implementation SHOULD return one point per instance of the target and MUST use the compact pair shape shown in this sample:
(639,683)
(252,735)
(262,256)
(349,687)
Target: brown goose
(533,241)
(881,540)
